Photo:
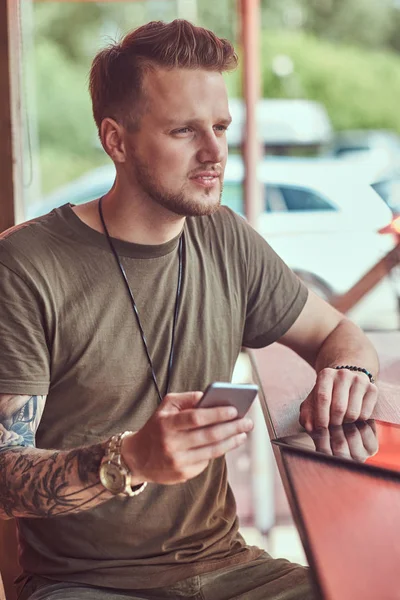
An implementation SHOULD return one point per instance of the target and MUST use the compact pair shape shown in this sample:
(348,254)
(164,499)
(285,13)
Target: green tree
(369,23)
(359,87)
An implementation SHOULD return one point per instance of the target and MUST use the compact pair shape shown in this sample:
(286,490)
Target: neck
(140,222)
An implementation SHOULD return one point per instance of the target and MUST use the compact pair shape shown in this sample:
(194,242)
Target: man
(108,306)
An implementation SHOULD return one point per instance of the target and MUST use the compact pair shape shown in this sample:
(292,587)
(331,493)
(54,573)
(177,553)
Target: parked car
(349,143)
(375,153)
(317,215)
(323,220)
(285,125)
(387,185)
(384,177)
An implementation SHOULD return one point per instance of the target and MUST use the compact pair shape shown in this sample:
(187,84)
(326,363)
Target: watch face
(112,478)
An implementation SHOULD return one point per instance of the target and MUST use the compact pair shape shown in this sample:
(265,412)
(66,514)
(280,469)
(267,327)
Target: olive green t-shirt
(67,330)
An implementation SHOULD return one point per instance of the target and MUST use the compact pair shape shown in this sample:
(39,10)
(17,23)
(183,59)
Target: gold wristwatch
(114,474)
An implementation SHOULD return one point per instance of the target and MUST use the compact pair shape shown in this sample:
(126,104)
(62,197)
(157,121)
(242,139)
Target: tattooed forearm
(42,483)
(46,483)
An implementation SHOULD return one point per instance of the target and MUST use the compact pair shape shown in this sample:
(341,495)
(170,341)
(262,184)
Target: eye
(221,128)
(182,130)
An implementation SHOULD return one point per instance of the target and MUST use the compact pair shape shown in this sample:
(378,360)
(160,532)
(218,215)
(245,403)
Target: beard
(179,202)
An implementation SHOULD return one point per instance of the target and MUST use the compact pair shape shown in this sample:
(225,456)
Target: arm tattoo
(42,483)
(19,419)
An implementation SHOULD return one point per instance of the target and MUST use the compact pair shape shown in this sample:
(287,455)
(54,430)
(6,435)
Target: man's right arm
(43,483)
(174,445)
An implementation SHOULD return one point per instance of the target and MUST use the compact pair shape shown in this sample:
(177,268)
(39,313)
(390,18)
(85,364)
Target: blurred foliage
(60,166)
(359,87)
(67,36)
(364,22)
(357,79)
(371,23)
(64,111)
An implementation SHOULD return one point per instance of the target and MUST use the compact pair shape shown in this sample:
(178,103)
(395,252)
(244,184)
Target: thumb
(173,403)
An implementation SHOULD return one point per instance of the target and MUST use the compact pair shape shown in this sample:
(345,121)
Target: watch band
(113,456)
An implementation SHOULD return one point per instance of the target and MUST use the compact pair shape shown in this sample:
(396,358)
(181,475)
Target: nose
(212,148)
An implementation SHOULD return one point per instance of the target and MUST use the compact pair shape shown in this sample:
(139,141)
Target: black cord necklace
(135,310)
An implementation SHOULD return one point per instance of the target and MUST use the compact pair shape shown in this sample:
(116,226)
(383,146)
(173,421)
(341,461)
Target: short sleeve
(24,355)
(275,295)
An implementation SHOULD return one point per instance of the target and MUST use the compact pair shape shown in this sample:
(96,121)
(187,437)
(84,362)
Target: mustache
(217,170)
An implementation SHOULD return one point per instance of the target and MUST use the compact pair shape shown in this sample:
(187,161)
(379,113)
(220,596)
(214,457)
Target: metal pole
(250,38)
(262,468)
(31,164)
(11,197)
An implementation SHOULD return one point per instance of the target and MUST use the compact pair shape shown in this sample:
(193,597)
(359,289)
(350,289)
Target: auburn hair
(117,71)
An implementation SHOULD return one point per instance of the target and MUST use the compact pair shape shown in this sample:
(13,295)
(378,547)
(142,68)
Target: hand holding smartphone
(241,396)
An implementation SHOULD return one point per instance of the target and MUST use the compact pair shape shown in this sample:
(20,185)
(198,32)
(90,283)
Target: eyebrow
(174,122)
(227,121)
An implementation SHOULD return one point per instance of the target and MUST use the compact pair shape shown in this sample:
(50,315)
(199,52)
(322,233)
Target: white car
(318,216)
(375,154)
(323,220)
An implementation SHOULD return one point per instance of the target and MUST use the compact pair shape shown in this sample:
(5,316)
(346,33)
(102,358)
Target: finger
(356,397)
(369,402)
(207,453)
(355,442)
(340,397)
(179,401)
(322,441)
(202,417)
(306,414)
(339,444)
(209,436)
(322,400)
(369,438)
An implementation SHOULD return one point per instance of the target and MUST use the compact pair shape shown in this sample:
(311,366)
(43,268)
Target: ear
(112,139)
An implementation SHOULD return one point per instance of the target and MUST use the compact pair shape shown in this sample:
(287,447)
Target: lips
(206,175)
(206,180)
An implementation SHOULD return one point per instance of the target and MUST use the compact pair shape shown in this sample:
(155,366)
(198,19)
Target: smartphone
(219,393)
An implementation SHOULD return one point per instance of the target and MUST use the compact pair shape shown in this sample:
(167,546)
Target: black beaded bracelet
(352,368)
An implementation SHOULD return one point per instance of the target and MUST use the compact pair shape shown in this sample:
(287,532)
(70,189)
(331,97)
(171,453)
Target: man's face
(178,154)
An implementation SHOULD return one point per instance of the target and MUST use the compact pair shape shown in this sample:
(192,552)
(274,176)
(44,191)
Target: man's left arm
(326,339)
